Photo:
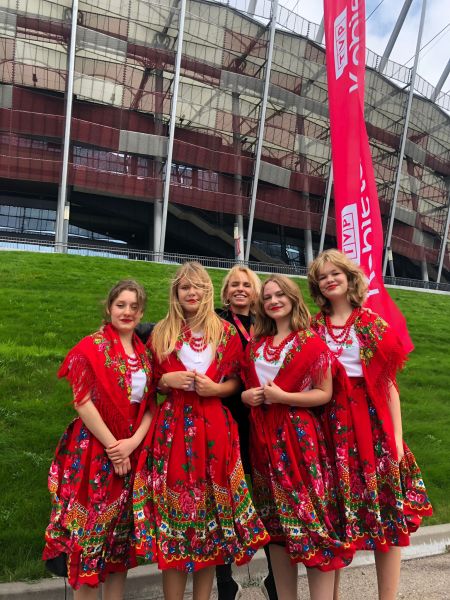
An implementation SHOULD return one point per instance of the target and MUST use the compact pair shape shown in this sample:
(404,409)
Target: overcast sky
(433,58)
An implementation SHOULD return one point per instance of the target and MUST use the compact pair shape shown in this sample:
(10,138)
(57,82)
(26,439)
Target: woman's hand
(122,468)
(205,386)
(120,450)
(273,394)
(253,396)
(178,380)
(399,446)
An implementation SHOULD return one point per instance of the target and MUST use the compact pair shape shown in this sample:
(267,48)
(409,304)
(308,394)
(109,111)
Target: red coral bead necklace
(341,338)
(271,352)
(196,343)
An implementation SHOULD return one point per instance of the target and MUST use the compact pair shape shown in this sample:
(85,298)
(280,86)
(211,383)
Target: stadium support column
(63,209)
(440,83)
(424,269)
(157,225)
(158,203)
(394,35)
(302,162)
(320,32)
(262,118)
(404,138)
(238,233)
(326,208)
(444,237)
(173,115)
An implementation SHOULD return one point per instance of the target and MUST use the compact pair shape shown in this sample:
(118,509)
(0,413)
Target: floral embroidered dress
(92,518)
(192,505)
(294,484)
(386,501)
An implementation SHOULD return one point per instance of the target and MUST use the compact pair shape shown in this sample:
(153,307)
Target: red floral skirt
(92,517)
(295,488)
(192,505)
(386,500)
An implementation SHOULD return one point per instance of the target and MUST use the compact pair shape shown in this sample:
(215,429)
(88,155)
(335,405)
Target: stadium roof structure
(240,114)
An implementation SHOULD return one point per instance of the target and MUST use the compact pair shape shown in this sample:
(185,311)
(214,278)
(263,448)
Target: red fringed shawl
(311,359)
(381,352)
(96,368)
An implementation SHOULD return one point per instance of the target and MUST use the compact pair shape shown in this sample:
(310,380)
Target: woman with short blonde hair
(231,280)
(357,280)
(387,497)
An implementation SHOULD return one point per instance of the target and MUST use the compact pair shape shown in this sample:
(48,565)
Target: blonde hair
(300,316)
(167,331)
(357,280)
(124,285)
(253,278)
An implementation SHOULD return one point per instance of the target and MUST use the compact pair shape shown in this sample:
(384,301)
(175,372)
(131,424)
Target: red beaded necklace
(197,344)
(341,338)
(133,363)
(272,353)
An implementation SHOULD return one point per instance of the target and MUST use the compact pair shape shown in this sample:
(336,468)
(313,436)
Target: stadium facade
(102,175)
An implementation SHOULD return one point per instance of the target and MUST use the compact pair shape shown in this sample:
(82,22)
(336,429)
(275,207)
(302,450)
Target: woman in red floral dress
(193,510)
(91,476)
(288,378)
(387,495)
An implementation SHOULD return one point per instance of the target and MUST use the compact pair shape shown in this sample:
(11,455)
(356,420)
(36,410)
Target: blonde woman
(193,508)
(240,290)
(387,497)
(288,379)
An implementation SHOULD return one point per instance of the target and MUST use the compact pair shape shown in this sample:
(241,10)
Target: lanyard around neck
(246,334)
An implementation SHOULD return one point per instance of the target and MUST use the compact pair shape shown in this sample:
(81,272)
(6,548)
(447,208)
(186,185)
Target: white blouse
(350,357)
(138,383)
(267,371)
(195,361)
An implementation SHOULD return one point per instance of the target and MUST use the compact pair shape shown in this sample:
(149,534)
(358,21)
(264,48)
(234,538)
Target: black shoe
(57,565)
(268,588)
(229,590)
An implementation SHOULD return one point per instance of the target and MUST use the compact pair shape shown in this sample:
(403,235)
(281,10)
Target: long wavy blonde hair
(357,280)
(167,331)
(300,315)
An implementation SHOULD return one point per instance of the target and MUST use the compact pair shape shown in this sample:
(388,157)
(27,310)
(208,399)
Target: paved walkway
(421,579)
(425,576)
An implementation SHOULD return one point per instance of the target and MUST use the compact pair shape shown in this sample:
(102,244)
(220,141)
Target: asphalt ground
(421,579)
(425,576)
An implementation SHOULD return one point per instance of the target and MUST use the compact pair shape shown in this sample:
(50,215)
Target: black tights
(224,574)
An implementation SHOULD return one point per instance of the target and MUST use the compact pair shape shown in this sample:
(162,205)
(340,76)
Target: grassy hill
(49,302)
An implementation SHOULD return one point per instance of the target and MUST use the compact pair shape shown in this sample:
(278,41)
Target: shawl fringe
(316,372)
(382,352)
(388,360)
(78,372)
(96,370)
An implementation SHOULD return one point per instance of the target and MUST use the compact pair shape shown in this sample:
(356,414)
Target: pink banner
(358,220)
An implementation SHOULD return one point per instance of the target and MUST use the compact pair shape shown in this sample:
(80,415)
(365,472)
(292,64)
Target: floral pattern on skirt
(92,517)
(386,500)
(295,489)
(192,505)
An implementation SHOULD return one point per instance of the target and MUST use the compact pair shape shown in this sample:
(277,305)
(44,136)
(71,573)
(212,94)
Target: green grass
(49,302)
